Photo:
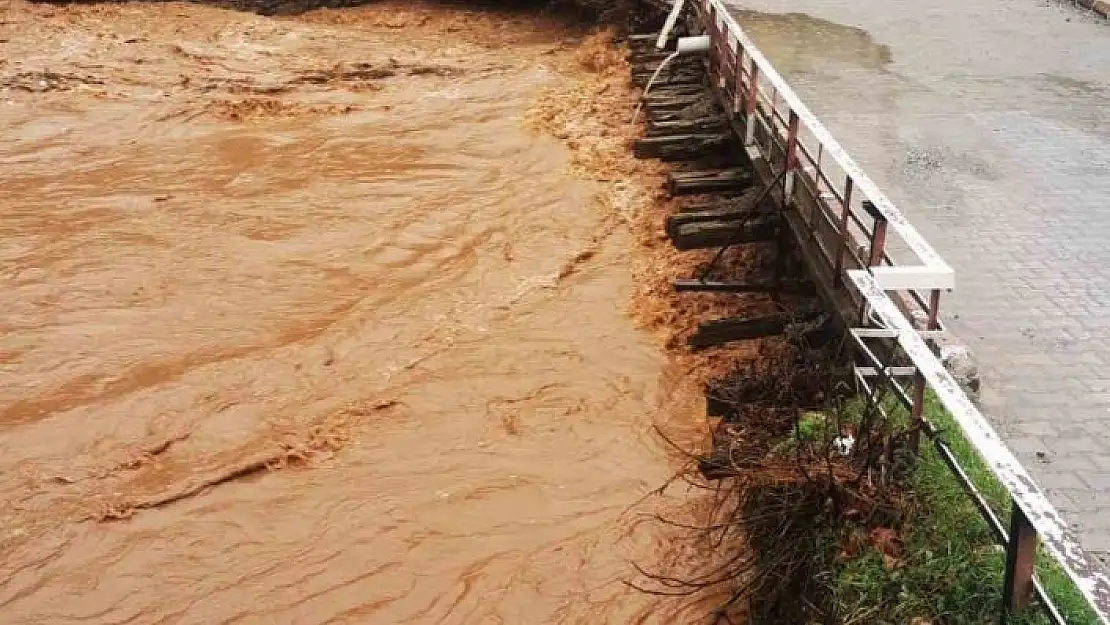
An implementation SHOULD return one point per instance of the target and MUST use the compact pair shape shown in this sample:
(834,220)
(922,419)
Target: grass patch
(951,569)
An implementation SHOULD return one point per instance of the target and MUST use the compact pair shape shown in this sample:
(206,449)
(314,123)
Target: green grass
(951,570)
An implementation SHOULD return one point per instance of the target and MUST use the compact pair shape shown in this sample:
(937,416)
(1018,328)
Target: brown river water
(305,322)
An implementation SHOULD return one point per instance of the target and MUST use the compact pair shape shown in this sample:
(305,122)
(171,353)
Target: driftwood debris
(700,235)
(681,147)
(697,182)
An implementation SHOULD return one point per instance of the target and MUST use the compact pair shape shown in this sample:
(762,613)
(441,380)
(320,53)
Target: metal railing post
(1021,553)
(752,103)
(917,411)
(791,157)
(878,244)
(845,236)
(714,31)
(738,82)
(878,235)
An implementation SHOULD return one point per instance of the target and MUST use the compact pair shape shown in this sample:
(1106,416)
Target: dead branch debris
(787,504)
(790,497)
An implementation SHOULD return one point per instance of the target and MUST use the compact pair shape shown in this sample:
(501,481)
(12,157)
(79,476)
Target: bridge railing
(874,264)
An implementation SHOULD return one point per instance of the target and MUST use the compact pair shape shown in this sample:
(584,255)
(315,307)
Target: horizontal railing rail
(887,279)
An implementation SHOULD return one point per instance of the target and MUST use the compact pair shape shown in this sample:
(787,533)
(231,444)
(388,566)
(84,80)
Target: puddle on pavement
(798,41)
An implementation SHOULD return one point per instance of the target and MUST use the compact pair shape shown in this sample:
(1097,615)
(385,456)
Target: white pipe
(650,82)
(694,45)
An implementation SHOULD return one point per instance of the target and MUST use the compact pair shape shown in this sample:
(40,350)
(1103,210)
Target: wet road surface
(988,124)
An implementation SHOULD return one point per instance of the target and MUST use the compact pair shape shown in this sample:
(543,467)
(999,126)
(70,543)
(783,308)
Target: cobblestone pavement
(988,123)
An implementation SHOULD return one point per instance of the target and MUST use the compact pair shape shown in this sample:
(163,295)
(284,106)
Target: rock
(958,360)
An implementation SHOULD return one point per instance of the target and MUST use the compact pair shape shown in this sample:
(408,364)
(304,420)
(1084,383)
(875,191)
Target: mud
(311,319)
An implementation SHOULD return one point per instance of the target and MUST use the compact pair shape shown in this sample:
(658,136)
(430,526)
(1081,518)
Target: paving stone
(1061,480)
(1036,428)
(1098,481)
(1073,463)
(1027,445)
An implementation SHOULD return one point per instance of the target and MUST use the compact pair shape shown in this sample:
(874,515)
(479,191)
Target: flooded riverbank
(310,319)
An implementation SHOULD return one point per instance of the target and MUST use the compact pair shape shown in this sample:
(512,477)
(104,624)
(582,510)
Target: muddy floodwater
(302,322)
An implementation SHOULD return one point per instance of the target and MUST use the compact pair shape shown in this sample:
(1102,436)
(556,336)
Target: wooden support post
(697,182)
(1021,553)
(735,212)
(681,147)
(705,234)
(917,411)
(713,124)
(672,103)
(663,92)
(680,77)
(721,331)
(694,285)
(648,65)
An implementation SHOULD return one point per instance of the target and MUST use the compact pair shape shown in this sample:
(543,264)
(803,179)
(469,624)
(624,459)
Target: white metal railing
(849,225)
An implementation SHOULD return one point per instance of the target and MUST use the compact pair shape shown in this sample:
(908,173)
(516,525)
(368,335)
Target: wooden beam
(697,182)
(730,202)
(721,331)
(701,235)
(673,103)
(648,65)
(667,77)
(734,211)
(659,92)
(681,147)
(694,285)
(701,125)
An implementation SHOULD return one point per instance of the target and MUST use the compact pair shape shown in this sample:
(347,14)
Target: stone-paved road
(988,123)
